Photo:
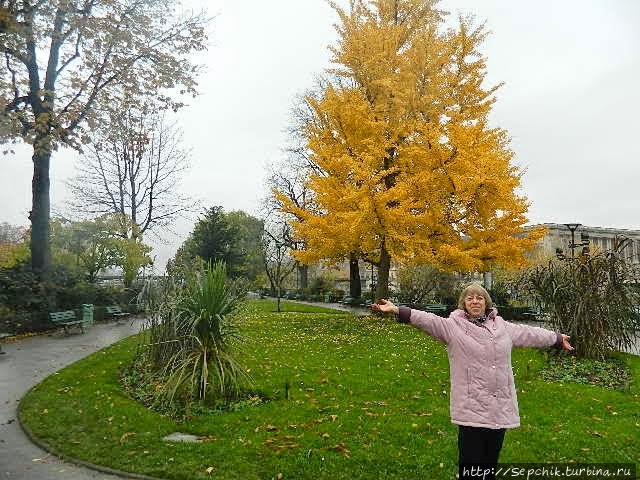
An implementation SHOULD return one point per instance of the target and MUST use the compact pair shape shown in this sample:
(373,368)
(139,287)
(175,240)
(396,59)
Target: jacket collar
(465,321)
(461,314)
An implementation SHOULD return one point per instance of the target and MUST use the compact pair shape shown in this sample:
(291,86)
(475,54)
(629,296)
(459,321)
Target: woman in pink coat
(483,399)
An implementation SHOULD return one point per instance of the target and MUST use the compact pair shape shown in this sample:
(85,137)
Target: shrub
(25,302)
(421,284)
(191,328)
(592,299)
(319,285)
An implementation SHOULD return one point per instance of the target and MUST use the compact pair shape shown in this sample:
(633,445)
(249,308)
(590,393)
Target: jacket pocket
(468,381)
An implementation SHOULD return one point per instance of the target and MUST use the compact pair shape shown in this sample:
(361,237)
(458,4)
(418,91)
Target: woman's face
(475,304)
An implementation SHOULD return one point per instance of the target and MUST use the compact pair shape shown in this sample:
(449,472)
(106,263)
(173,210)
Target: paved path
(26,363)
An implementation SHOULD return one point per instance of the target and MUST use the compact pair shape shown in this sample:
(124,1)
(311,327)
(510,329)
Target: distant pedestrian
(483,399)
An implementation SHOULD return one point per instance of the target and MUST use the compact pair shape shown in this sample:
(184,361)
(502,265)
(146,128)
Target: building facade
(600,239)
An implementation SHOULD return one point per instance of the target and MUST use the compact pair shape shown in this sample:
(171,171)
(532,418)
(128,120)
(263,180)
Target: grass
(270,305)
(612,373)
(367,399)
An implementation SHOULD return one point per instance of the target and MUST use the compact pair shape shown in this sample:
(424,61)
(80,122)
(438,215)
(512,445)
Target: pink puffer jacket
(483,393)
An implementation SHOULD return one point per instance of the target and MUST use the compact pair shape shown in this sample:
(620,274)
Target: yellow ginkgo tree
(406,163)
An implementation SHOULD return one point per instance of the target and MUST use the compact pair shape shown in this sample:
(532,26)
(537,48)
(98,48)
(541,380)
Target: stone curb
(47,448)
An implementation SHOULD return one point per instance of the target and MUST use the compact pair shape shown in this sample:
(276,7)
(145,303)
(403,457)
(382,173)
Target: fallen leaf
(125,436)
(210,469)
(341,448)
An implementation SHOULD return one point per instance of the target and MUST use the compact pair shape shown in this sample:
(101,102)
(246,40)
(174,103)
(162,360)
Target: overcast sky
(570,102)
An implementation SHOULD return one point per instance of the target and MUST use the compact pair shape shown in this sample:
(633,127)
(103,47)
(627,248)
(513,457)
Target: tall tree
(213,239)
(248,245)
(410,167)
(67,61)
(133,168)
(233,238)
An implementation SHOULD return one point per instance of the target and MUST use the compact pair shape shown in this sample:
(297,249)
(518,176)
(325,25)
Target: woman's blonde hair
(475,289)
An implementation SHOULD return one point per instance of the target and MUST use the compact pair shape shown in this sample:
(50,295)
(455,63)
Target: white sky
(570,102)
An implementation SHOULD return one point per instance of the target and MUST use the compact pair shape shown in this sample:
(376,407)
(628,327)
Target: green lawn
(367,400)
(270,305)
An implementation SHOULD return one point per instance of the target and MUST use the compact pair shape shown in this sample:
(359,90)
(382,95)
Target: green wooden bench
(3,335)
(436,308)
(116,311)
(66,320)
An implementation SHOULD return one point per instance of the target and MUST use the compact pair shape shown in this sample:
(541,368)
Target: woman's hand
(384,306)
(565,342)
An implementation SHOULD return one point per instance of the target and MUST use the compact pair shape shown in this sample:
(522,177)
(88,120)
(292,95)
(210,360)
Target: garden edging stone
(49,449)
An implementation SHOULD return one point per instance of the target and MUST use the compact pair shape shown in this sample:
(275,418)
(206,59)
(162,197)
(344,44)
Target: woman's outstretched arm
(438,327)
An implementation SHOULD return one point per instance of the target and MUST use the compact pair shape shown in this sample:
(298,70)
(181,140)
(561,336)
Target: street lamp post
(584,242)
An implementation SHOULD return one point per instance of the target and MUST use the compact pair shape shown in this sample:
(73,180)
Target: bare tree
(11,233)
(288,179)
(278,263)
(134,168)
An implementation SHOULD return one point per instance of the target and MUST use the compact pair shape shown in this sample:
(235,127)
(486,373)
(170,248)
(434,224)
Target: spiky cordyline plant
(204,367)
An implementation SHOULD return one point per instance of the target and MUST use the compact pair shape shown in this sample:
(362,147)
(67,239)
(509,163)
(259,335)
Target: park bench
(348,300)
(116,311)
(532,314)
(66,319)
(3,335)
(437,308)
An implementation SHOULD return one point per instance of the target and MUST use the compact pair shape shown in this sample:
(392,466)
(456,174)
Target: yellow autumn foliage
(407,165)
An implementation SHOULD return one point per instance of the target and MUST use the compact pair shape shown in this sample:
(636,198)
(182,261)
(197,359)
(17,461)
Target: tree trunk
(40,213)
(382,288)
(278,279)
(303,275)
(278,294)
(355,287)
(487,279)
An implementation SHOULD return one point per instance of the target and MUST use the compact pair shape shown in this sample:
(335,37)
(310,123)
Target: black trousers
(478,452)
